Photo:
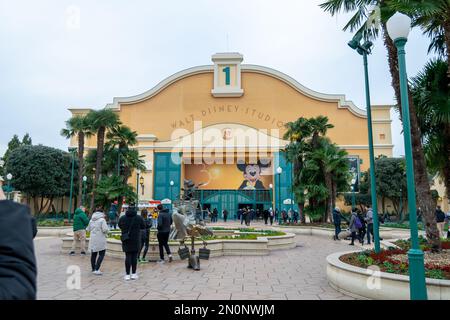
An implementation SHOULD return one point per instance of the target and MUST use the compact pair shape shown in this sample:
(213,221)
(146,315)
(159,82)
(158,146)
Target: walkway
(299,273)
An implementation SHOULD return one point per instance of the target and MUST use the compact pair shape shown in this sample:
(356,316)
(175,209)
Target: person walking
(354,226)
(362,230)
(164,223)
(112,215)
(97,242)
(248,217)
(225,215)
(154,219)
(369,222)
(337,222)
(145,234)
(242,215)
(271,215)
(266,216)
(440,219)
(215,214)
(290,215)
(80,223)
(131,225)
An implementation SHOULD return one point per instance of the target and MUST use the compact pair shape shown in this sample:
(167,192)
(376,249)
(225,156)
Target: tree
(100,121)
(40,171)
(110,188)
(432,98)
(77,126)
(320,167)
(13,144)
(361,22)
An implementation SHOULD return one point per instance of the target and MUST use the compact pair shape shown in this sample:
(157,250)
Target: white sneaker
(98,273)
(127,277)
(134,276)
(161,261)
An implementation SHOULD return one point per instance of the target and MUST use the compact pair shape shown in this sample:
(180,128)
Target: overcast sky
(50,62)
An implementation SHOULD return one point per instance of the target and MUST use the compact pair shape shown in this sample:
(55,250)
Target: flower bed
(437,265)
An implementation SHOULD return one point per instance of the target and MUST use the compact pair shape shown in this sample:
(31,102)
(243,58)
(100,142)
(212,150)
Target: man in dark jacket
(131,225)
(337,222)
(17,259)
(164,223)
(440,219)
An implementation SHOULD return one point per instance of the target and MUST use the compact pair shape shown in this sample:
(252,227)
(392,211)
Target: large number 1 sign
(227,75)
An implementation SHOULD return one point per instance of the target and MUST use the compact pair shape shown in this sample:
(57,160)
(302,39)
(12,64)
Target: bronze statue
(188,221)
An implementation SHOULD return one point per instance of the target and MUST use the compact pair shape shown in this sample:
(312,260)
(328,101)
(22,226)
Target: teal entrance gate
(231,200)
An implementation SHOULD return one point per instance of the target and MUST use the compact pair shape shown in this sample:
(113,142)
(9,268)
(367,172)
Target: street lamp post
(364,50)
(171,193)
(84,189)
(353,195)
(279,171)
(398,27)
(9,176)
(71,184)
(138,172)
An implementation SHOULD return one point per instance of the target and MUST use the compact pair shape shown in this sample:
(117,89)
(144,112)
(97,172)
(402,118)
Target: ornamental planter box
(362,283)
(53,231)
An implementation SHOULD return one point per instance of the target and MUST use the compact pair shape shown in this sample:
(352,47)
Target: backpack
(358,223)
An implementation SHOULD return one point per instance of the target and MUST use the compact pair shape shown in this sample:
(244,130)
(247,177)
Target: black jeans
(353,237)
(131,262)
(96,263)
(337,230)
(144,244)
(163,241)
(369,232)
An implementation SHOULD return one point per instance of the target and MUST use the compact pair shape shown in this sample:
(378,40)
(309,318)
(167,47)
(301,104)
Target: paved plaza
(298,273)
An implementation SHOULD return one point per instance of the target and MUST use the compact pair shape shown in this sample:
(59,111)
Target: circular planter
(367,284)
(53,231)
(225,247)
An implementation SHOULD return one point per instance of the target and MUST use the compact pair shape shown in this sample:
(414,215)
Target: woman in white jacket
(97,242)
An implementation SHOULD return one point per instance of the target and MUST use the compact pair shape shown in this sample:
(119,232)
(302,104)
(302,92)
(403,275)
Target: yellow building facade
(211,123)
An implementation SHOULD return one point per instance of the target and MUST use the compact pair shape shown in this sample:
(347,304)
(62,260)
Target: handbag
(126,236)
(184,252)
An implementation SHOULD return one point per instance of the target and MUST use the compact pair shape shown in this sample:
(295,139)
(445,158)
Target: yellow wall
(267,103)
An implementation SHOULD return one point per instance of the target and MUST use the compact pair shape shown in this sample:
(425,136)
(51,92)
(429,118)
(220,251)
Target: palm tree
(335,166)
(319,127)
(78,126)
(100,121)
(431,96)
(363,10)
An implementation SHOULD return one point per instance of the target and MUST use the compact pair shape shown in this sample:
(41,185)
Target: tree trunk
(35,205)
(301,209)
(80,167)
(98,165)
(446,169)
(423,193)
(329,209)
(446,28)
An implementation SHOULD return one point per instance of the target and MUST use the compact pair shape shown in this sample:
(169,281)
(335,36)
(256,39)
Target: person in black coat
(17,260)
(164,223)
(131,225)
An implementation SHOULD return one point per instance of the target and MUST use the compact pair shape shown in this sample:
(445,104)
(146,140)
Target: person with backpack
(440,220)
(369,221)
(145,234)
(164,223)
(97,242)
(80,223)
(112,215)
(355,225)
(131,225)
(362,230)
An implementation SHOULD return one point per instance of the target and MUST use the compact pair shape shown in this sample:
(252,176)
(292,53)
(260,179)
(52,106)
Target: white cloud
(125,48)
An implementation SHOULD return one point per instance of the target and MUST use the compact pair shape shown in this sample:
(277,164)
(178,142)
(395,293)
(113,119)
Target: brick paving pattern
(298,274)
